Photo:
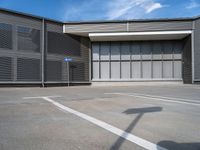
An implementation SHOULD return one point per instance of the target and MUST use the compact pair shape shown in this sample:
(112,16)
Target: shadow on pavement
(140,112)
(171,145)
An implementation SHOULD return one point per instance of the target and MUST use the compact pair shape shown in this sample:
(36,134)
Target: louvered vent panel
(5,36)
(5,69)
(54,71)
(77,71)
(28,69)
(28,39)
(59,43)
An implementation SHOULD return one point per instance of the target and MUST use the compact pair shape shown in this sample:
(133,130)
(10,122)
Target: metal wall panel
(125,51)
(95,70)
(115,50)
(157,69)
(125,70)
(5,36)
(95,51)
(141,60)
(28,69)
(77,70)
(59,43)
(136,70)
(98,27)
(6,69)
(146,70)
(167,69)
(28,39)
(135,50)
(53,70)
(157,50)
(104,51)
(160,25)
(105,70)
(146,50)
(167,50)
(115,70)
(178,69)
(187,60)
(127,26)
(197,50)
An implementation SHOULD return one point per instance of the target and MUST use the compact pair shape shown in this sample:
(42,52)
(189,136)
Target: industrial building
(33,50)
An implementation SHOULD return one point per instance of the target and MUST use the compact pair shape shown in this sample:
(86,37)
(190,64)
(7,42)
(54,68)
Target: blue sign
(67,59)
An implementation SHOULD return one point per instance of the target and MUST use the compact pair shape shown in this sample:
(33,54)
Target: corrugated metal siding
(130,26)
(54,71)
(28,39)
(99,27)
(5,36)
(187,61)
(22,50)
(6,71)
(197,50)
(157,26)
(61,45)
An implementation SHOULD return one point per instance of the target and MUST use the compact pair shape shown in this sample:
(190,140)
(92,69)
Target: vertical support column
(130,49)
(162,52)
(141,71)
(90,60)
(14,38)
(192,42)
(120,51)
(173,45)
(152,47)
(110,60)
(99,60)
(43,50)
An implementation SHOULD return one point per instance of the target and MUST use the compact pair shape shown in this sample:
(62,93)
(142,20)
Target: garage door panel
(178,69)
(105,51)
(146,51)
(157,69)
(105,73)
(125,51)
(135,50)
(95,51)
(167,69)
(115,51)
(141,60)
(95,70)
(115,70)
(125,72)
(178,50)
(146,69)
(157,51)
(167,50)
(136,70)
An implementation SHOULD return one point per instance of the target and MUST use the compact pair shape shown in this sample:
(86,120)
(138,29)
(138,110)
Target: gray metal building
(33,49)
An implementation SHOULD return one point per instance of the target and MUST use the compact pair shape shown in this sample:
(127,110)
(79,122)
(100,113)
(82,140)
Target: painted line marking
(159,98)
(54,96)
(128,136)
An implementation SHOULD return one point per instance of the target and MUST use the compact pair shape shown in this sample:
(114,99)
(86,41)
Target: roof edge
(29,15)
(101,21)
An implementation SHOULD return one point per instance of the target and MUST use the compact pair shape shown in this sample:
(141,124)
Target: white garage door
(151,60)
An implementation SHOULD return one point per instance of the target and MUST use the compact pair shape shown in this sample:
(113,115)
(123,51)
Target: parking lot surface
(101,118)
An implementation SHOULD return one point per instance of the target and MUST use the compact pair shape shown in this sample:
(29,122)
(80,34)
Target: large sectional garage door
(146,60)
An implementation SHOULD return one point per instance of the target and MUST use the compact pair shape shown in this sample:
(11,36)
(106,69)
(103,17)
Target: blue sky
(82,10)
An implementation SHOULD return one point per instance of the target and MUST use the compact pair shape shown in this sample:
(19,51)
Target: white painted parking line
(54,96)
(159,98)
(130,137)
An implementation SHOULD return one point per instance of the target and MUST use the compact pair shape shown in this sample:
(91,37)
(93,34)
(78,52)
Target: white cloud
(127,9)
(193,4)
